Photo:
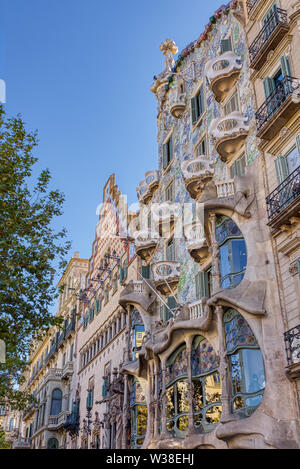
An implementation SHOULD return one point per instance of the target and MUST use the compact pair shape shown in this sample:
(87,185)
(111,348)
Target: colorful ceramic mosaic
(177,365)
(203,358)
(237,332)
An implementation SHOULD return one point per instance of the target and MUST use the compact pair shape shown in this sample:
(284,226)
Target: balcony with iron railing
(251,7)
(283,203)
(269,37)
(70,327)
(281,105)
(292,346)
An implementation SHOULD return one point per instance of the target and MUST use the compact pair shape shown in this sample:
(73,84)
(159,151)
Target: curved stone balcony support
(196,242)
(166,276)
(229,134)
(222,73)
(148,186)
(197,172)
(145,244)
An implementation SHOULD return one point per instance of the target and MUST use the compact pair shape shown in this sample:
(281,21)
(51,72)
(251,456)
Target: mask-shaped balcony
(197,172)
(166,276)
(196,242)
(147,187)
(229,134)
(164,216)
(138,293)
(222,73)
(177,100)
(145,244)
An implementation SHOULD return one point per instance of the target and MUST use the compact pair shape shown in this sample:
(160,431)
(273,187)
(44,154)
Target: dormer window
(226,45)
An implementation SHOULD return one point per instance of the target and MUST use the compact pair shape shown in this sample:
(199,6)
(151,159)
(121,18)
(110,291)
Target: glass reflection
(182,397)
(213,414)
(183,423)
(170,403)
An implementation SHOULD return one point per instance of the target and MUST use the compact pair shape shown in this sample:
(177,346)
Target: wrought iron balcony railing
(284,194)
(278,17)
(284,89)
(292,345)
(251,4)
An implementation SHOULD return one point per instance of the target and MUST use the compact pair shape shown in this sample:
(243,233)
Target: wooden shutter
(285,66)
(201,101)
(282,169)
(202,289)
(298,266)
(298,144)
(226,45)
(170,149)
(268,86)
(165,155)
(194,106)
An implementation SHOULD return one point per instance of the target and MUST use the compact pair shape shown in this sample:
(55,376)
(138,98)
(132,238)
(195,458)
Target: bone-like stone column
(215,254)
(156,399)
(164,433)
(189,343)
(125,412)
(223,369)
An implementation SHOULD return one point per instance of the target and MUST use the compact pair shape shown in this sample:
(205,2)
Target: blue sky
(80,71)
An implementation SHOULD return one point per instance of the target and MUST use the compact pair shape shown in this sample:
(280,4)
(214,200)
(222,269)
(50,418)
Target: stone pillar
(215,255)
(128,335)
(223,369)
(150,423)
(125,412)
(189,343)
(156,400)
(164,433)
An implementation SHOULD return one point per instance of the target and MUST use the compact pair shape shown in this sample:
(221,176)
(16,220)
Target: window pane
(170,403)
(254,370)
(239,255)
(293,160)
(182,397)
(236,373)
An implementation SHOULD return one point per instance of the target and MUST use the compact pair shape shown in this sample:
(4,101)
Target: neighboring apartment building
(273,34)
(52,369)
(213,375)
(101,334)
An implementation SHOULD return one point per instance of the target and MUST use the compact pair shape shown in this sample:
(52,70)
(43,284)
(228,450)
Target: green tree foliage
(32,251)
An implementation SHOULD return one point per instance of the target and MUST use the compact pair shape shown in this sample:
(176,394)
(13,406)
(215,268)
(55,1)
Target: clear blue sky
(80,71)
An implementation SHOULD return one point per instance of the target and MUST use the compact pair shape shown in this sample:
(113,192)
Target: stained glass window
(246,364)
(177,365)
(138,413)
(206,389)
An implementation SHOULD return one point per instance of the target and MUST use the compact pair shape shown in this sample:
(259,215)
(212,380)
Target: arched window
(52,443)
(177,392)
(206,388)
(138,332)
(233,253)
(207,385)
(246,364)
(56,402)
(138,409)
